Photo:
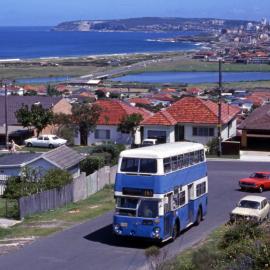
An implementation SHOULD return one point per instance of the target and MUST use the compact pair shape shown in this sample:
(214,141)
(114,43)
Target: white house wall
(115,136)
(200,139)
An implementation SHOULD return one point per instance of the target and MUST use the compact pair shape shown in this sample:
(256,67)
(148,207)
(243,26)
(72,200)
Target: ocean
(39,42)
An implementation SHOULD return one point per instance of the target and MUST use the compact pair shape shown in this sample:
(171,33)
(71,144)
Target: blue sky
(51,12)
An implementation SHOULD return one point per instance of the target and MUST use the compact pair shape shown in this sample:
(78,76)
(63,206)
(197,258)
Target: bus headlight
(117,229)
(156,232)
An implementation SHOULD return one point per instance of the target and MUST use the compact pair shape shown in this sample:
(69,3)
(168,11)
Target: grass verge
(62,218)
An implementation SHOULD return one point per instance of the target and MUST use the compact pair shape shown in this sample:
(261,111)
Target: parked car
(50,141)
(257,181)
(149,142)
(251,208)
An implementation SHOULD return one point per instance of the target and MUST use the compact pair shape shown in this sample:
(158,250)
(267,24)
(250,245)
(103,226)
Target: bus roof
(162,150)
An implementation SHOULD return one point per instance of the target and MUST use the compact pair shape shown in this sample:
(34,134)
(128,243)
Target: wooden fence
(81,188)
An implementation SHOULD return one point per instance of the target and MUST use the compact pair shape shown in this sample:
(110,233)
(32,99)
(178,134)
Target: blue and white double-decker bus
(160,190)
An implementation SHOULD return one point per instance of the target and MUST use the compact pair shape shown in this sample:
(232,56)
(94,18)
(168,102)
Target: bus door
(190,203)
(168,215)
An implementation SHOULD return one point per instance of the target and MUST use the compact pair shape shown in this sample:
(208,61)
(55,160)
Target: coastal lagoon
(193,77)
(39,42)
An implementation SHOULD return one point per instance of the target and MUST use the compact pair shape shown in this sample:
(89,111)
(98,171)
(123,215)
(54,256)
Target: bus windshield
(139,165)
(148,209)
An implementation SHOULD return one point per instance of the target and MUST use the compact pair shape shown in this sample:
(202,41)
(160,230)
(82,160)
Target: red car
(257,181)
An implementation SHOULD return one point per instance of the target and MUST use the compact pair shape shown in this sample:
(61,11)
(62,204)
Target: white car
(149,142)
(251,208)
(50,141)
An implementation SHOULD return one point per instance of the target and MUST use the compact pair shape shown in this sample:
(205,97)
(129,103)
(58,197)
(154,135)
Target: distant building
(256,129)
(62,157)
(111,115)
(191,119)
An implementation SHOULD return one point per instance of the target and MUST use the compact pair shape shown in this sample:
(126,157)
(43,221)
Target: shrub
(56,178)
(66,133)
(24,185)
(238,232)
(213,146)
(113,149)
(91,164)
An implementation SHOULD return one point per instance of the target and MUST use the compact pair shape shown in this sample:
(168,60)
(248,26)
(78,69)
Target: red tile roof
(163,97)
(140,101)
(195,110)
(161,118)
(169,90)
(114,110)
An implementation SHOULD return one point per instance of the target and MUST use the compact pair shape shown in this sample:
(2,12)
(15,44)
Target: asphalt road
(91,245)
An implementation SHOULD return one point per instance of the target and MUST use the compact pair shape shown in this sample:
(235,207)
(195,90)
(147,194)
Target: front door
(190,203)
(179,133)
(168,215)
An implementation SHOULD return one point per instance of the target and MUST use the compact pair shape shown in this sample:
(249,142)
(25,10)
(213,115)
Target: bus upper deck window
(167,165)
(130,165)
(148,166)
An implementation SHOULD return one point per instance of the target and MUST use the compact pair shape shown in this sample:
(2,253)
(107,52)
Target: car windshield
(249,204)
(148,209)
(259,175)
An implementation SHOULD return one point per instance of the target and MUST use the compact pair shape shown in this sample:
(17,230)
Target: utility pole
(219,107)
(6,121)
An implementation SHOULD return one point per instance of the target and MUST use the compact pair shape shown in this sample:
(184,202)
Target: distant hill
(148,24)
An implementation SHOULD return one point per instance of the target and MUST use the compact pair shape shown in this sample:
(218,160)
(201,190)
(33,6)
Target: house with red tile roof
(256,129)
(138,100)
(111,115)
(191,119)
(195,91)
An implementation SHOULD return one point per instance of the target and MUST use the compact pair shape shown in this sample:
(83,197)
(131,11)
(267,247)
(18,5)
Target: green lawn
(61,218)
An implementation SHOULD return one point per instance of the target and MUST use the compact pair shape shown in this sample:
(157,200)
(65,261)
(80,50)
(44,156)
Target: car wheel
(29,144)
(199,217)
(261,189)
(51,146)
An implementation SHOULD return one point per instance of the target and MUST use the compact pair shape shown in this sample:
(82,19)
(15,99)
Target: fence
(84,186)
(81,188)
(45,201)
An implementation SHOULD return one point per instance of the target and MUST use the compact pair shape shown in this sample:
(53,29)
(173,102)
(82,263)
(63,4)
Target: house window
(102,134)
(203,131)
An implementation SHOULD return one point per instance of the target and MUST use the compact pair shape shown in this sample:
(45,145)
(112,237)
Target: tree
(52,91)
(38,117)
(129,124)
(100,94)
(91,164)
(84,118)
(56,178)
